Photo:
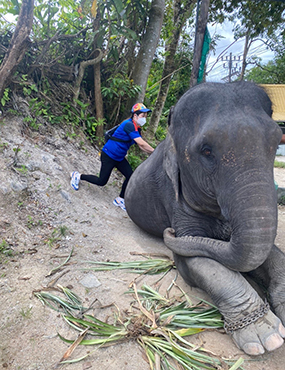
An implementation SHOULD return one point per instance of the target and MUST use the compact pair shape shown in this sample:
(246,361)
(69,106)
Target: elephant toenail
(273,342)
(253,349)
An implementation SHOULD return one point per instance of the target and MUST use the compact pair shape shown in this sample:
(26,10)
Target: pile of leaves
(159,324)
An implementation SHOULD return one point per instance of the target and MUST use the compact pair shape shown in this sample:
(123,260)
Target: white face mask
(141,121)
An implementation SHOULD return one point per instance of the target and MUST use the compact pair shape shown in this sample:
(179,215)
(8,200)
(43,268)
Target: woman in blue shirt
(114,152)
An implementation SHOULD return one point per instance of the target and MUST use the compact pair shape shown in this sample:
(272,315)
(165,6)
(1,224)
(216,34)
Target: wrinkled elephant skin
(208,190)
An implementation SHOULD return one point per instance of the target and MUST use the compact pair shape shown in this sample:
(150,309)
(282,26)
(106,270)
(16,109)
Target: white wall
(281,150)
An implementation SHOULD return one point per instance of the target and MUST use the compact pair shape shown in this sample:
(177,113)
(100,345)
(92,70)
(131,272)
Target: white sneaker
(119,202)
(75,179)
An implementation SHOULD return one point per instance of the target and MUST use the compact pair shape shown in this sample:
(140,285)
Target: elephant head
(220,154)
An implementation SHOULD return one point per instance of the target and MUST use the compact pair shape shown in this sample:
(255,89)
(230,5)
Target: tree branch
(82,67)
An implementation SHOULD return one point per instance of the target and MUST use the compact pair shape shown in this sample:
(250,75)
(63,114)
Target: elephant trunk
(253,221)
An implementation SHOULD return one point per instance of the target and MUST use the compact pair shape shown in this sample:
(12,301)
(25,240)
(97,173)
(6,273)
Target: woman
(114,152)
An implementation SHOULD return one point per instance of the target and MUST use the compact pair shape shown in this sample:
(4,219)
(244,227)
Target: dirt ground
(36,202)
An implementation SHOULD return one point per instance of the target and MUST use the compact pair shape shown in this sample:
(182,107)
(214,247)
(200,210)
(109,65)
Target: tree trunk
(82,67)
(199,40)
(245,52)
(180,15)
(98,99)
(97,82)
(147,49)
(18,45)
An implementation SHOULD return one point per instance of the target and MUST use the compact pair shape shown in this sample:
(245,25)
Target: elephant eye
(206,152)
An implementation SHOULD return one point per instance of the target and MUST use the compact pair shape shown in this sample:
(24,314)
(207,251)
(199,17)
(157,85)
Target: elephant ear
(170,116)
(170,164)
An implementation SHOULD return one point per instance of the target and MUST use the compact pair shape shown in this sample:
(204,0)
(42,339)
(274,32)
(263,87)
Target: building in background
(277,96)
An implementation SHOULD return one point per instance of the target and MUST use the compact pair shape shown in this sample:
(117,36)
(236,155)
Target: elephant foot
(250,322)
(279,310)
(271,276)
(266,333)
(277,297)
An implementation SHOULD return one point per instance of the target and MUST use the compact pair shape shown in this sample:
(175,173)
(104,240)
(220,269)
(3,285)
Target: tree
(199,39)
(147,49)
(18,45)
(99,109)
(257,19)
(271,73)
(181,12)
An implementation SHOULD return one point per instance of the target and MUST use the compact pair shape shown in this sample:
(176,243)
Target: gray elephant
(208,189)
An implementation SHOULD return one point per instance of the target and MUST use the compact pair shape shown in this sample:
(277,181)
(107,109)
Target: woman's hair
(136,112)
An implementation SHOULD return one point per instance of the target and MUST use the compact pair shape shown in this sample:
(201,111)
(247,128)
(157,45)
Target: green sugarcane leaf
(100,329)
(238,364)
(93,342)
(188,331)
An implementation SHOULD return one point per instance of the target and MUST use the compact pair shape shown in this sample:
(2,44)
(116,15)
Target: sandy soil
(35,202)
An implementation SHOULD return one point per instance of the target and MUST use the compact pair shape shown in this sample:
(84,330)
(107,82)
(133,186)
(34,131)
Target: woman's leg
(125,168)
(107,165)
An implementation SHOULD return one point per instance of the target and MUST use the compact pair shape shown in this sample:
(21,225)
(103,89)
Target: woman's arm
(144,146)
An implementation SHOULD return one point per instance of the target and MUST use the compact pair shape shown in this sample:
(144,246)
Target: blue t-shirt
(117,150)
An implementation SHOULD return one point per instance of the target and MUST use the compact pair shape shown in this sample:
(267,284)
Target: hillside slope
(41,220)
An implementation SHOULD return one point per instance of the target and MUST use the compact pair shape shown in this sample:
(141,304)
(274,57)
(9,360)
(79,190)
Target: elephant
(208,190)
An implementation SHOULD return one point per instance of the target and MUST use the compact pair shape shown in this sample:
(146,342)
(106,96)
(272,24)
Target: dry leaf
(70,350)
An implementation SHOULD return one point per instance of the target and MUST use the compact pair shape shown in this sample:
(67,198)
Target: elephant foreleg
(271,275)
(236,300)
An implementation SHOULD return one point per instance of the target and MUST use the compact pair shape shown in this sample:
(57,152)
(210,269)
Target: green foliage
(119,86)
(26,313)
(65,33)
(33,223)
(28,87)
(62,230)
(136,156)
(271,73)
(5,98)
(161,133)
(80,116)
(278,164)
(16,150)
(257,19)
(74,116)
(260,18)
(91,124)
(179,84)
(5,249)
(3,146)
(57,235)
(23,169)
(134,160)
(282,200)
(115,90)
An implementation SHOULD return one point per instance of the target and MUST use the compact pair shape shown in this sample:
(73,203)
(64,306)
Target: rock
(18,186)
(90,281)
(65,195)
(33,166)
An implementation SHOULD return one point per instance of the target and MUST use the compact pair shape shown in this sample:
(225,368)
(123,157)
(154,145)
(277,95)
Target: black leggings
(107,165)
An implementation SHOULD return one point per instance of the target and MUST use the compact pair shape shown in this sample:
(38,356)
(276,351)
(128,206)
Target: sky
(220,70)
